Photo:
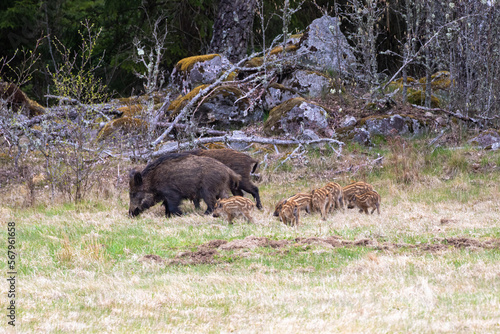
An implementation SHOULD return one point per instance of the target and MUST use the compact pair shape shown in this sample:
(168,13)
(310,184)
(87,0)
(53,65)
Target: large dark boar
(177,176)
(241,163)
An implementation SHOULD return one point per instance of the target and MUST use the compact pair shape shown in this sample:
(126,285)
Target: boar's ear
(136,176)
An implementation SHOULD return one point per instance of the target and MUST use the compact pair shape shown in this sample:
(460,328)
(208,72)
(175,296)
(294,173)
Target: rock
(277,94)
(362,137)
(488,139)
(325,47)
(198,70)
(311,83)
(225,107)
(348,121)
(392,125)
(308,134)
(294,116)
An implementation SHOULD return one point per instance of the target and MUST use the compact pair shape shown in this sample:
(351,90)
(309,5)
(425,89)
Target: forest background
(424,36)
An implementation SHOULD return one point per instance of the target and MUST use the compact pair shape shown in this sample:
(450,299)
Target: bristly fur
(239,162)
(320,200)
(177,176)
(234,206)
(366,200)
(336,196)
(302,199)
(290,213)
(355,188)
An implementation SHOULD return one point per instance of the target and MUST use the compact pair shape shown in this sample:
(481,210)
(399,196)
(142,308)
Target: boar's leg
(196,202)
(167,211)
(249,188)
(209,199)
(172,202)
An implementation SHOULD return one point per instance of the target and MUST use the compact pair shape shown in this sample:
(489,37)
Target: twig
(288,157)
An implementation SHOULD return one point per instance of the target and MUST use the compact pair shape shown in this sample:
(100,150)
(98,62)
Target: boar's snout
(134,213)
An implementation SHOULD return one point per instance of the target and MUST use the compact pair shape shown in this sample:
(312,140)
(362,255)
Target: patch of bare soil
(252,242)
(202,256)
(207,253)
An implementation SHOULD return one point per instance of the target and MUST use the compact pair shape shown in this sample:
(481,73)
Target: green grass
(80,271)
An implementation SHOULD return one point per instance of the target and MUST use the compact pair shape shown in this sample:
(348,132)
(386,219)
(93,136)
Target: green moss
(187,64)
(278,112)
(125,123)
(418,97)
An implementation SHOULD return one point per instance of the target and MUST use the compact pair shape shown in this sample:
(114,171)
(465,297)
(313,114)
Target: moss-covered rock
(488,139)
(126,124)
(294,116)
(226,106)
(18,100)
(393,125)
(417,96)
(310,83)
(385,125)
(439,80)
(198,70)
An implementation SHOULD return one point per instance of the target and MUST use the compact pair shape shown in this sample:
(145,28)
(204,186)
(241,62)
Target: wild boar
(290,213)
(336,196)
(239,162)
(355,188)
(364,201)
(302,199)
(320,201)
(177,176)
(234,206)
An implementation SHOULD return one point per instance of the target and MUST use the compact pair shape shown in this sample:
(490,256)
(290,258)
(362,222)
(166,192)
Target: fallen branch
(454,114)
(289,157)
(238,137)
(207,131)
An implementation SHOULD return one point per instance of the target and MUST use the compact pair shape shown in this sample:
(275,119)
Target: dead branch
(200,130)
(457,114)
(239,137)
(289,157)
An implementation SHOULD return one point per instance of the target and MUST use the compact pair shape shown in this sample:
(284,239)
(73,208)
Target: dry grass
(82,271)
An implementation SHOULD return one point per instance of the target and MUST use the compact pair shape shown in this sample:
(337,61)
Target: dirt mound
(249,242)
(207,253)
(202,256)
(214,243)
(472,243)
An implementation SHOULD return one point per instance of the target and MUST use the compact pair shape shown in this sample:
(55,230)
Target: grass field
(429,263)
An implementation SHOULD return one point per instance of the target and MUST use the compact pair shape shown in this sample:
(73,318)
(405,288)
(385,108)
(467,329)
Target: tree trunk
(233,28)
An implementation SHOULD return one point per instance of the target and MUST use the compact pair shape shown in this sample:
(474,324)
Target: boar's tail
(254,169)
(234,179)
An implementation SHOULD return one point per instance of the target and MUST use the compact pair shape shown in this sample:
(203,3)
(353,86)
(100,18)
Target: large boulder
(324,47)
(310,83)
(276,94)
(225,107)
(489,139)
(392,125)
(198,70)
(295,116)
(385,125)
